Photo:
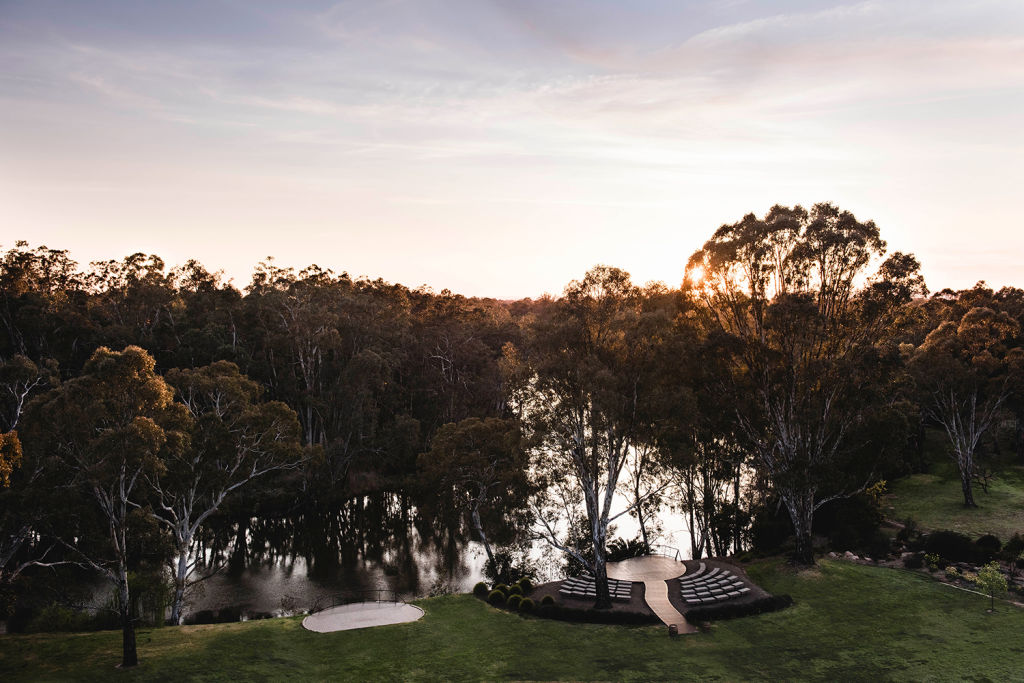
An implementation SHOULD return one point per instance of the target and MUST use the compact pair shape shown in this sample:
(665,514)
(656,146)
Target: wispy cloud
(569,112)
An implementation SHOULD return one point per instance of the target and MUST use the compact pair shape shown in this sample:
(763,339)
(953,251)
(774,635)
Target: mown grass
(935,501)
(849,622)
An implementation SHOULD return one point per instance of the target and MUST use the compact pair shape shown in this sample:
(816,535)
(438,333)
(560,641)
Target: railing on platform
(667,551)
(350,597)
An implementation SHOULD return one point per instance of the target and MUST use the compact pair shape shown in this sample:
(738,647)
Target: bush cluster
(987,548)
(914,561)
(728,610)
(513,597)
(952,546)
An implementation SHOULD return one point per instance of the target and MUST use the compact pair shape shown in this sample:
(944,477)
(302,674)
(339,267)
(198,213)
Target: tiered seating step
(716,585)
(584,587)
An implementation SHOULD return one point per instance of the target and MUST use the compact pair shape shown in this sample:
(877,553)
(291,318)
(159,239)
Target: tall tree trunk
(801,513)
(129,653)
(965,485)
(479,527)
(180,574)
(604,597)
(1018,434)
(736,531)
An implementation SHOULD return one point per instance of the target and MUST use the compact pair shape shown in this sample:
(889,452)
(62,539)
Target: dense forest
(795,367)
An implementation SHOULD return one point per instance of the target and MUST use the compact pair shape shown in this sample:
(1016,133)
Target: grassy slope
(936,502)
(849,622)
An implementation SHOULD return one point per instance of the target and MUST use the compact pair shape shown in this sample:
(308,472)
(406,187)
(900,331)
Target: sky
(500,148)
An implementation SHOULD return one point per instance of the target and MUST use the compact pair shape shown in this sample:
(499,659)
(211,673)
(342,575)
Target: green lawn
(936,502)
(849,622)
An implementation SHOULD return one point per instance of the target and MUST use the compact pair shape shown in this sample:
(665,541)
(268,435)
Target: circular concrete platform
(361,615)
(647,568)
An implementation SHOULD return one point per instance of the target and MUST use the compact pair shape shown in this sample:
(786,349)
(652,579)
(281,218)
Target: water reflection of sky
(286,581)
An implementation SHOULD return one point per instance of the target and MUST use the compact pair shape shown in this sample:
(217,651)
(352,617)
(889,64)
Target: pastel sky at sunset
(502,148)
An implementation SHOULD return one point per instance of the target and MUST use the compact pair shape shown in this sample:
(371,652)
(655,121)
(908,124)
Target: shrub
(909,534)
(526,585)
(58,618)
(515,589)
(496,597)
(952,573)
(877,545)
(987,548)
(933,561)
(526,605)
(547,600)
(769,529)
(620,549)
(849,523)
(732,610)
(501,587)
(1012,548)
(914,561)
(480,590)
(514,600)
(951,546)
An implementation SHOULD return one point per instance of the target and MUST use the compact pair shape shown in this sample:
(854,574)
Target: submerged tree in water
(235,439)
(579,382)
(480,468)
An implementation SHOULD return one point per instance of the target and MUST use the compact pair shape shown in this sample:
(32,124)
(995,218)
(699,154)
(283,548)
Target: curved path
(361,615)
(654,571)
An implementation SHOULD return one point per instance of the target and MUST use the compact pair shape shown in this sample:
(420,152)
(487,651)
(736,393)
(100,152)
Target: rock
(850,556)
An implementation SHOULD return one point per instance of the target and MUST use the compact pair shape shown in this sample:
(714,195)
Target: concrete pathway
(654,571)
(361,615)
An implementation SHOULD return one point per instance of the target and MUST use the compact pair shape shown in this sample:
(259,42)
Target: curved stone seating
(583,588)
(695,574)
(716,585)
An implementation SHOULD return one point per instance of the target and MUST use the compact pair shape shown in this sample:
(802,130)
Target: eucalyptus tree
(19,378)
(479,467)
(42,306)
(578,382)
(105,431)
(963,369)
(805,322)
(235,439)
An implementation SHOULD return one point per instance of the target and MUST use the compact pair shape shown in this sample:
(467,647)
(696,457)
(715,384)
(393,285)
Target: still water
(271,566)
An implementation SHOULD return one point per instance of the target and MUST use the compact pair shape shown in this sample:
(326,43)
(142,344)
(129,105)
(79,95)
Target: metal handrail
(677,553)
(349,597)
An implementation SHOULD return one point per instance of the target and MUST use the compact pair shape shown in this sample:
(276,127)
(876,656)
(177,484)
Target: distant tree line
(796,365)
